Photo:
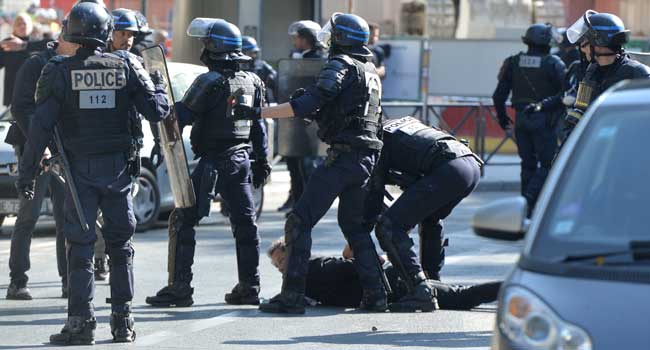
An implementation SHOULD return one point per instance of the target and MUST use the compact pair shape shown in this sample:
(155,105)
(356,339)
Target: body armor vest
(530,80)
(216,91)
(95,116)
(356,111)
(415,148)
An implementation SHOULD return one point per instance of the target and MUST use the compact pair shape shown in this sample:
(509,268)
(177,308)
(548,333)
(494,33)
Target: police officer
(437,172)
(606,34)
(87,97)
(536,80)
(260,67)
(305,42)
(22,109)
(125,31)
(222,143)
(347,96)
(144,37)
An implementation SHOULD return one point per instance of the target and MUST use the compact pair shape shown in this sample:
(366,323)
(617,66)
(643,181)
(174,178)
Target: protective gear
(428,146)
(158,79)
(348,33)
(99,113)
(601,29)
(358,110)
(98,2)
(244,112)
(308,26)
(26,189)
(530,82)
(538,35)
(249,44)
(156,156)
(171,138)
(88,24)
(77,331)
(125,19)
(261,172)
(143,24)
(423,298)
(122,324)
(177,294)
(222,39)
(219,99)
(243,294)
(47,82)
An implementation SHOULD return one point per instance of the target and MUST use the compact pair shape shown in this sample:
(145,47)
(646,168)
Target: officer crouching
(222,144)
(347,101)
(87,98)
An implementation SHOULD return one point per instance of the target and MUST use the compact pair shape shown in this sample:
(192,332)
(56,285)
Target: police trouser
(28,213)
(103,183)
(428,202)
(228,174)
(344,175)
(537,144)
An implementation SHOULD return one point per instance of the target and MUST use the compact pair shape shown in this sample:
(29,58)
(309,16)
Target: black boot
(101,269)
(287,302)
(77,331)
(14,292)
(421,298)
(122,324)
(179,295)
(243,294)
(374,300)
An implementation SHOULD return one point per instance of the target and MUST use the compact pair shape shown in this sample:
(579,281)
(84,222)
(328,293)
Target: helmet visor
(324,35)
(200,27)
(579,28)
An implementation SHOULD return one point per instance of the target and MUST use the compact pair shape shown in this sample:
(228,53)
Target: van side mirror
(504,219)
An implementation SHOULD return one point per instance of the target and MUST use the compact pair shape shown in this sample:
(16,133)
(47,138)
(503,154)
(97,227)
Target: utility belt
(446,150)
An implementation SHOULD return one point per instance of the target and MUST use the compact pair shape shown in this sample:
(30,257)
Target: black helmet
(538,35)
(348,33)
(124,19)
(98,2)
(143,24)
(249,44)
(607,30)
(88,24)
(222,39)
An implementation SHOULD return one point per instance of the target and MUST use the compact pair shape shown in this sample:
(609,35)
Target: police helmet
(249,44)
(143,24)
(124,19)
(222,39)
(98,2)
(607,30)
(348,33)
(306,29)
(88,24)
(538,35)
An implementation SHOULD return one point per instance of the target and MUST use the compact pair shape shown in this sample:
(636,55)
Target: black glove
(158,80)
(533,108)
(245,112)
(261,171)
(156,156)
(297,93)
(505,122)
(25,189)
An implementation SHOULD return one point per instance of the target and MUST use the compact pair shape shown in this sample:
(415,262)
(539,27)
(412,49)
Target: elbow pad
(330,80)
(49,84)
(136,67)
(200,96)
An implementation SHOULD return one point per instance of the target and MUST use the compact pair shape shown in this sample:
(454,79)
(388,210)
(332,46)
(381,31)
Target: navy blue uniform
(345,86)
(224,167)
(533,77)
(436,172)
(87,96)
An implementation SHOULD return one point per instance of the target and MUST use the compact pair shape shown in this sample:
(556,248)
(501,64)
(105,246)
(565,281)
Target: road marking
(196,326)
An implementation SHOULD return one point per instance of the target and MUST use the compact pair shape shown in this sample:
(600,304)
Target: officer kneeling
(436,172)
(222,143)
(87,98)
(347,103)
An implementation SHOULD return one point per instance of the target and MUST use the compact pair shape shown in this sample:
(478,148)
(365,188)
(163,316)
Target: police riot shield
(171,137)
(296,138)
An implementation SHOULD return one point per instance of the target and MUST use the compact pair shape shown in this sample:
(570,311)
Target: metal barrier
(478,111)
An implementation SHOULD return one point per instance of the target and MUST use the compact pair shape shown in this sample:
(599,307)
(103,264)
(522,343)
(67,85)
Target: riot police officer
(536,79)
(222,143)
(144,37)
(347,96)
(436,172)
(606,34)
(86,97)
(260,67)
(305,41)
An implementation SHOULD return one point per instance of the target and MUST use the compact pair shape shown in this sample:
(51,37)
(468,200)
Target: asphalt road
(211,324)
